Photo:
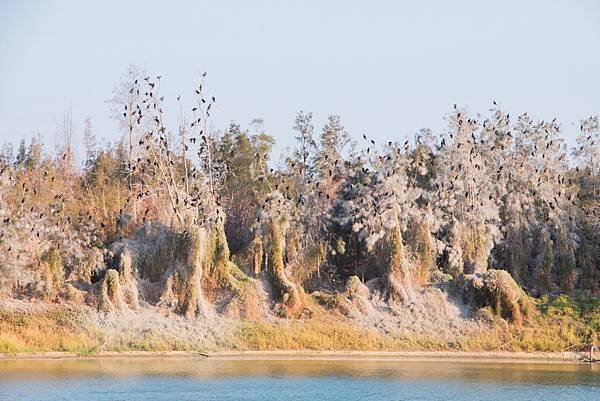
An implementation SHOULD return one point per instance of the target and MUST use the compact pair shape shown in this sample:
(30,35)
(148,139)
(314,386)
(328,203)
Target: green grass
(559,324)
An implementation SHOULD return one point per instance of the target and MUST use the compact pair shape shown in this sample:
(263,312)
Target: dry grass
(313,334)
(558,325)
(28,327)
(53,329)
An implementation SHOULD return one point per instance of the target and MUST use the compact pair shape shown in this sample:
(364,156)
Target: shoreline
(412,356)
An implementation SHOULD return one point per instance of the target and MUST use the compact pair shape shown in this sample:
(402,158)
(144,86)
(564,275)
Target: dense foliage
(491,192)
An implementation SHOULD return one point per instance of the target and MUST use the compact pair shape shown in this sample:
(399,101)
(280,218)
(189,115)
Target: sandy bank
(501,356)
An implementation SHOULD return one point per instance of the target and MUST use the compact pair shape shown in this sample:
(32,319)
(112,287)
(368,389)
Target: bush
(497,289)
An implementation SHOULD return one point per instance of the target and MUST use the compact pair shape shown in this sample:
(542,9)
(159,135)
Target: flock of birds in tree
(156,162)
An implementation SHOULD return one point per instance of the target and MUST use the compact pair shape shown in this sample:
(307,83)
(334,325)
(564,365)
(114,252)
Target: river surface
(148,379)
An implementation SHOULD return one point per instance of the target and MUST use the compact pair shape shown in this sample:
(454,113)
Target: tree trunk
(285,290)
(192,296)
(257,261)
(396,277)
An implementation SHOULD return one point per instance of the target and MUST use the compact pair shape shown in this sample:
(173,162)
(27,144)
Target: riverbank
(448,356)
(42,330)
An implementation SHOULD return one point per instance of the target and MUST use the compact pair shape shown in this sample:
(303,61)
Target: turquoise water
(180,379)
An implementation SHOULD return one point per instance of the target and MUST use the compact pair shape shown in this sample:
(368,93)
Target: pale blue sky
(389,68)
